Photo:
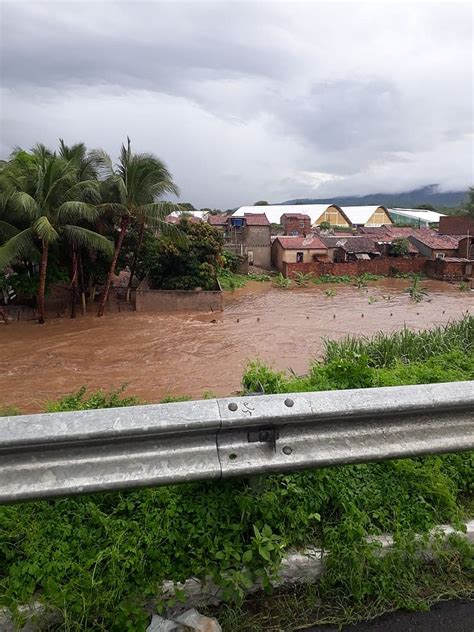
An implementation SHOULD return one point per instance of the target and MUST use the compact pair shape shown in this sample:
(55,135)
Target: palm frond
(103,163)
(84,238)
(75,211)
(157,211)
(45,230)
(7,231)
(18,247)
(86,191)
(24,204)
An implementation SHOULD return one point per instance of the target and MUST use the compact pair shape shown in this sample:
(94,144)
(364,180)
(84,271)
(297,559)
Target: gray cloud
(249,100)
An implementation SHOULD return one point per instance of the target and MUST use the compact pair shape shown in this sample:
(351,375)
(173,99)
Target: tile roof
(217,220)
(256,219)
(312,242)
(434,240)
(296,216)
(354,243)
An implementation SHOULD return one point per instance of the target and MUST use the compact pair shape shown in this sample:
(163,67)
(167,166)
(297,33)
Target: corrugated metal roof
(417,213)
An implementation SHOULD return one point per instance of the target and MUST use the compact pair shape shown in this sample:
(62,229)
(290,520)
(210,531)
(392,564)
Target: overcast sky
(248,101)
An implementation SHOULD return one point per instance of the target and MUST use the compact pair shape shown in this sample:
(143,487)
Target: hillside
(408,199)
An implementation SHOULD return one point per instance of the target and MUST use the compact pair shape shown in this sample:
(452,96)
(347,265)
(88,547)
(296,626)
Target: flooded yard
(189,354)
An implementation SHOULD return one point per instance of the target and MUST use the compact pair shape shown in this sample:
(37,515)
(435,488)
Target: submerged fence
(57,454)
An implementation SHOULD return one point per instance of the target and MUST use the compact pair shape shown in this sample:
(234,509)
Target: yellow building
(334,215)
(366,215)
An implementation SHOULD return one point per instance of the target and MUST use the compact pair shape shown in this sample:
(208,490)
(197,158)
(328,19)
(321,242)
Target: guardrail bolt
(287,450)
(289,402)
(233,406)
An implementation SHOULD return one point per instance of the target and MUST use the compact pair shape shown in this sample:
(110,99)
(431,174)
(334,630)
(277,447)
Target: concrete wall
(148,300)
(280,256)
(258,241)
(382,265)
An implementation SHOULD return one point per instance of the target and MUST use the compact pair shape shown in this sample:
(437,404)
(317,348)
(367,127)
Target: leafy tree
(192,263)
(469,206)
(325,226)
(261,203)
(44,204)
(400,247)
(131,190)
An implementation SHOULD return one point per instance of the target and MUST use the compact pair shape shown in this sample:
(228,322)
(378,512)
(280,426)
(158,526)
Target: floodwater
(189,354)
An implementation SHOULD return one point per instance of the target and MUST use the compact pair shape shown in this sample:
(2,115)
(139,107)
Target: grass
(231,280)
(359,281)
(98,559)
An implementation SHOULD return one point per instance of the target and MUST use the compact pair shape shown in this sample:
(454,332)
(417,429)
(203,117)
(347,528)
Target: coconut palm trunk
(135,259)
(42,280)
(124,224)
(74,283)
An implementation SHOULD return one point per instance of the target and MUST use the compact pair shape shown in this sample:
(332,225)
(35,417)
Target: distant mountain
(409,199)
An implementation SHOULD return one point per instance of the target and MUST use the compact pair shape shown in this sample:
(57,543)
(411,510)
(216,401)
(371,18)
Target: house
(417,217)
(296,224)
(456,225)
(247,236)
(350,248)
(296,249)
(333,215)
(366,215)
(385,235)
(218,221)
(432,245)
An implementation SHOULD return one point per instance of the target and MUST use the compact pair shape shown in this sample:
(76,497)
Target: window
(440,255)
(299,257)
(301,224)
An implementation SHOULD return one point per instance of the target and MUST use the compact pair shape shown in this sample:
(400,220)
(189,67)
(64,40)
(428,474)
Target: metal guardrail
(68,453)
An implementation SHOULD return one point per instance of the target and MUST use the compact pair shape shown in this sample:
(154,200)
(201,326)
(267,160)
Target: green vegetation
(330,292)
(231,281)
(282,282)
(416,291)
(99,558)
(400,247)
(80,217)
(302,279)
(187,263)
(346,279)
(463,286)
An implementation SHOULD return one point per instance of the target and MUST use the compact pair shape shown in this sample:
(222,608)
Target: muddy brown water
(188,354)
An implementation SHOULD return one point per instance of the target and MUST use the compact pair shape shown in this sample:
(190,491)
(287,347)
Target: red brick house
(296,224)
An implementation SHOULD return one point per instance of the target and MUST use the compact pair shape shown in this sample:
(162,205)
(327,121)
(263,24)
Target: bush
(190,263)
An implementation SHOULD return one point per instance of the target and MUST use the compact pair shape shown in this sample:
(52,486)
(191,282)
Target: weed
(330,292)
(282,282)
(416,291)
(463,286)
(9,411)
(302,279)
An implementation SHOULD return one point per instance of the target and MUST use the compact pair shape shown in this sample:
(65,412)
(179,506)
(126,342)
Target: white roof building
(415,216)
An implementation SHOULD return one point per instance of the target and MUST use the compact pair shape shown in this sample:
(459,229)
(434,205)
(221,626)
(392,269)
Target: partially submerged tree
(132,190)
(46,204)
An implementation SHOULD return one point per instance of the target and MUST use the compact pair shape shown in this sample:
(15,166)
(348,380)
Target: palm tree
(85,172)
(42,194)
(132,189)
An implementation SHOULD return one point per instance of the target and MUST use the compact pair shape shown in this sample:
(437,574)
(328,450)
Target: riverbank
(190,354)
